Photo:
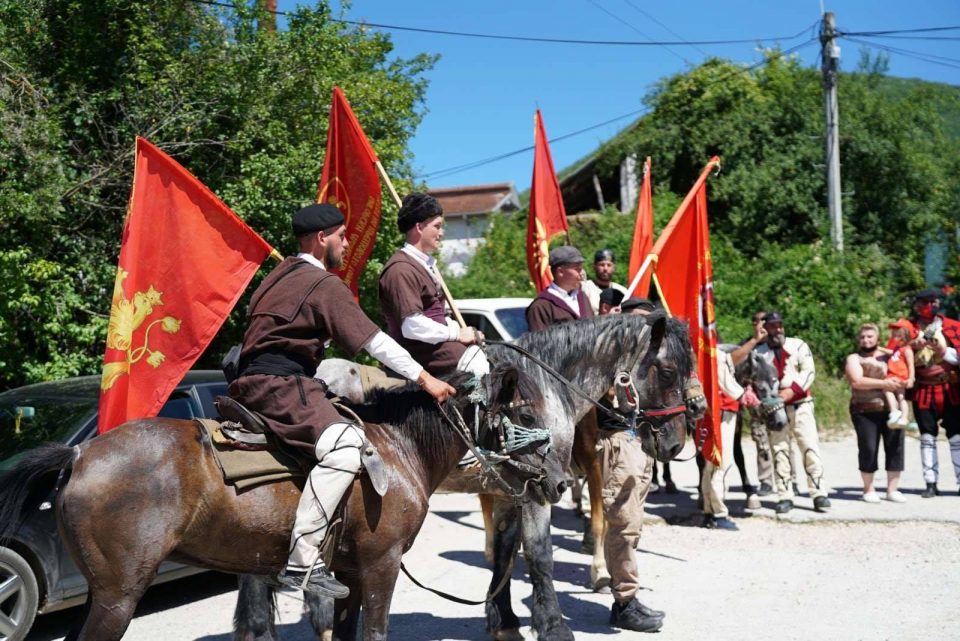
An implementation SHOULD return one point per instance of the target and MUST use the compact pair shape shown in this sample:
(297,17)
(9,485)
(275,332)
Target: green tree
(244,109)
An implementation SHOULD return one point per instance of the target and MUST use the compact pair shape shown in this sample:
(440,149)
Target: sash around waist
(277,364)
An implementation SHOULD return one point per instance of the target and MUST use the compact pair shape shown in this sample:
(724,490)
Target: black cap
(611,296)
(637,303)
(565,255)
(928,293)
(603,254)
(417,208)
(772,317)
(313,218)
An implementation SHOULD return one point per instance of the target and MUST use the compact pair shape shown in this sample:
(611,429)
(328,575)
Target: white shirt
(419,327)
(380,346)
(571,299)
(593,291)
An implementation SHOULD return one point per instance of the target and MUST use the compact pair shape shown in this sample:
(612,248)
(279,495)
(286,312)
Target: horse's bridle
(510,437)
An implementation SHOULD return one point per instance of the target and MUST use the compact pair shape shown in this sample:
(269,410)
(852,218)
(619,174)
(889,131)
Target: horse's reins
(461,429)
(459,426)
(659,415)
(490,595)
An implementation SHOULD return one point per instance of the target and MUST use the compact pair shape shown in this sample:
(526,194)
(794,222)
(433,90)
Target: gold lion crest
(126,317)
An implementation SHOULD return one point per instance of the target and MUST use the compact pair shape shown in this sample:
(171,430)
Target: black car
(37,574)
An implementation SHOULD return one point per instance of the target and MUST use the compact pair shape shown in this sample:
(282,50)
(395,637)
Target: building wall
(462,236)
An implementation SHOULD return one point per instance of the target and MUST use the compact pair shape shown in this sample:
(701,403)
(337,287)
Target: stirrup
(234,411)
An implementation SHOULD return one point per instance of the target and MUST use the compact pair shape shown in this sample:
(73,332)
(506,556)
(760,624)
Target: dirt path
(861,572)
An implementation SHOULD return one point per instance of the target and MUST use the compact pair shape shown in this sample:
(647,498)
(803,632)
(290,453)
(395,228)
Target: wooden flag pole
(648,263)
(440,281)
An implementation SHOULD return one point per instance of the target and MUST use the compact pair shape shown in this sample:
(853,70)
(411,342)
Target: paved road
(862,571)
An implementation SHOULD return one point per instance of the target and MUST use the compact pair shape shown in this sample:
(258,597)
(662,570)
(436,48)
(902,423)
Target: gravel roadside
(862,571)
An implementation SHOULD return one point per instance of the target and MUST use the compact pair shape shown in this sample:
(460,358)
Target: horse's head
(762,376)
(662,378)
(512,427)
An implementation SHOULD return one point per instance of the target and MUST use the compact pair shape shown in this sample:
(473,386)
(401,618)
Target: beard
(332,260)
(776,340)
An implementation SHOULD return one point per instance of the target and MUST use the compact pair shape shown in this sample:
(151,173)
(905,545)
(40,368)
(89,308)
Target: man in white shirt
(603,268)
(412,300)
(795,368)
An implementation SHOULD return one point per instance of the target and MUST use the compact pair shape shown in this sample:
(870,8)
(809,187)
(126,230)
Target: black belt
(277,364)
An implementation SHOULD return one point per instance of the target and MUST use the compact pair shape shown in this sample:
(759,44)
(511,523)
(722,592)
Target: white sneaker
(896,497)
(871,497)
(893,420)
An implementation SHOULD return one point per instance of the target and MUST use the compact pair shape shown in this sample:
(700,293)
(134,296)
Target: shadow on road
(157,599)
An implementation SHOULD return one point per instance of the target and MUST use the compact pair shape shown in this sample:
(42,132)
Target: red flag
(185,259)
(642,235)
(685,273)
(350,182)
(546,217)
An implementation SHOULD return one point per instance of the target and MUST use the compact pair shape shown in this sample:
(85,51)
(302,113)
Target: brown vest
(407,288)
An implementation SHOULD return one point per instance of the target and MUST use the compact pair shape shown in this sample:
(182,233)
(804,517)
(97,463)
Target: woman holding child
(866,370)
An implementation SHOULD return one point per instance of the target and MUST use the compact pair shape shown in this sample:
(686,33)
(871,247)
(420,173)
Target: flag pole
(648,262)
(440,281)
(663,299)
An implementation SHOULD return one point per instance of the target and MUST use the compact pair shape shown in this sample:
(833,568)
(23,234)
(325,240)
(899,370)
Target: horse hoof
(508,634)
(603,588)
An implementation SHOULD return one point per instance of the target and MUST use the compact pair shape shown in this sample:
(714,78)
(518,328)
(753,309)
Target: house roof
(471,200)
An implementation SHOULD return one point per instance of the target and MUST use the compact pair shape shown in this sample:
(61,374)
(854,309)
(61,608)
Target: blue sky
(483,93)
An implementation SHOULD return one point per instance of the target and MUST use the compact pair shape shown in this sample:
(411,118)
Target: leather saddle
(250,430)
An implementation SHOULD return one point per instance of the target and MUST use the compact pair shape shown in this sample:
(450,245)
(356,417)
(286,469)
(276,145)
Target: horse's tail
(22,489)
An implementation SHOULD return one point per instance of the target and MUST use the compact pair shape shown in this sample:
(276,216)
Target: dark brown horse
(152,490)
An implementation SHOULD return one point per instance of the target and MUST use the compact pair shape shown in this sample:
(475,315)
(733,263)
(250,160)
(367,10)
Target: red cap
(903,323)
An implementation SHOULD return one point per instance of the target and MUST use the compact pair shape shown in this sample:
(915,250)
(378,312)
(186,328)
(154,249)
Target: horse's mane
(599,340)
(416,422)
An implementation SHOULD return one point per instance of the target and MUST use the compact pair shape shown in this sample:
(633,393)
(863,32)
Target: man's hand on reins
(469,336)
(749,398)
(436,388)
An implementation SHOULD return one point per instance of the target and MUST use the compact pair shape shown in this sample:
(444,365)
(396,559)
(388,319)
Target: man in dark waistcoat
(936,395)
(296,311)
(413,302)
(563,300)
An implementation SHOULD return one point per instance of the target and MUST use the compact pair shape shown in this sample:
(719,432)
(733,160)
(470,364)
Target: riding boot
(338,461)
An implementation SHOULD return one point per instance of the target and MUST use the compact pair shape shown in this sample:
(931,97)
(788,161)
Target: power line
(668,29)
(895,31)
(464,34)
(634,28)
(952,63)
(450,171)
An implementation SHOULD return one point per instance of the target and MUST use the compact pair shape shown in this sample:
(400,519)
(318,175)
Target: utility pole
(831,55)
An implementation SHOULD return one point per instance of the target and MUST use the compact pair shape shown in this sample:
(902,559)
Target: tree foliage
(244,109)
(767,207)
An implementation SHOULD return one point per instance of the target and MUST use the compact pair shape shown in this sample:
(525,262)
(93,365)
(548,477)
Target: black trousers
(871,428)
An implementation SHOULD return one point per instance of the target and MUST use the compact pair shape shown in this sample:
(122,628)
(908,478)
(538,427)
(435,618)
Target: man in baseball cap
(563,300)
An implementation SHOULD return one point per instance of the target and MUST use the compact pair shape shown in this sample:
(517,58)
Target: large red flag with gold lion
(546,217)
(684,270)
(350,182)
(185,259)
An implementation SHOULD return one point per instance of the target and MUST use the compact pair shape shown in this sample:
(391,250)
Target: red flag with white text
(351,182)
(185,259)
(685,272)
(642,235)
(546,217)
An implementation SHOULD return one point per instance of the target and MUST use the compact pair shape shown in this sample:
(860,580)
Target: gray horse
(654,350)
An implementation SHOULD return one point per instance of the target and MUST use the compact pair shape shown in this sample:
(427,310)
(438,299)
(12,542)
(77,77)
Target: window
(483,324)
(180,405)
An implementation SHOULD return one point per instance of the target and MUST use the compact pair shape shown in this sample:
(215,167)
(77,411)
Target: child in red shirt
(899,367)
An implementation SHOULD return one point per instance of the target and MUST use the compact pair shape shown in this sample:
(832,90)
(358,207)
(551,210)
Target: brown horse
(152,490)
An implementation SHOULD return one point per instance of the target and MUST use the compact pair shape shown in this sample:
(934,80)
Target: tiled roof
(477,199)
